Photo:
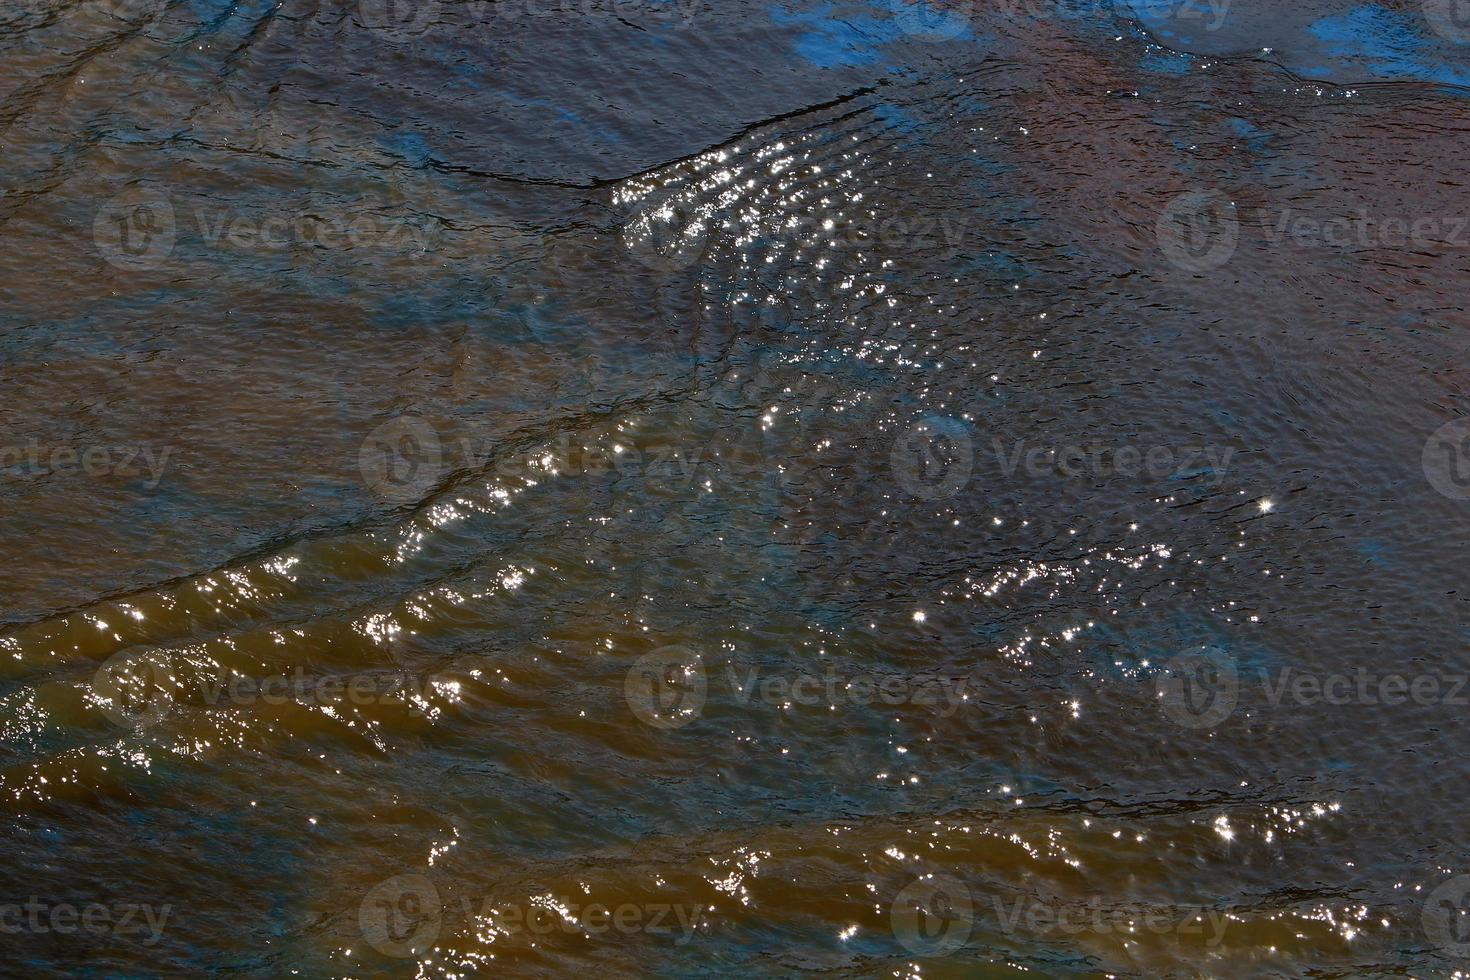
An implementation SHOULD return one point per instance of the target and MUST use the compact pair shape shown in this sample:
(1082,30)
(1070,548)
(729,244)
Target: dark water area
(679,488)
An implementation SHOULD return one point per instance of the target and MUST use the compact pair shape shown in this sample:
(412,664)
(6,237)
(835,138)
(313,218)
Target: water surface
(694,489)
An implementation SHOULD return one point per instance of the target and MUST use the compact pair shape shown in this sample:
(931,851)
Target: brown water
(701,490)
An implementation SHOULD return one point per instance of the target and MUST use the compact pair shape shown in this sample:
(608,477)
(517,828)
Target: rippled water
(680,488)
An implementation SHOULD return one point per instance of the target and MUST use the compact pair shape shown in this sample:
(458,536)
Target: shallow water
(689,489)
